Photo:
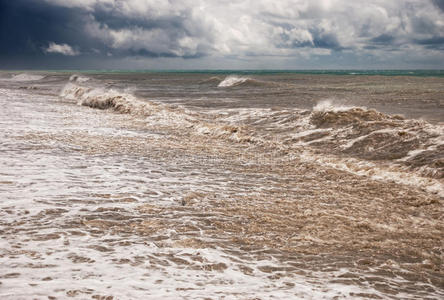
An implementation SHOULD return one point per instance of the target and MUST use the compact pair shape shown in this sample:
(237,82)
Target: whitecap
(26,77)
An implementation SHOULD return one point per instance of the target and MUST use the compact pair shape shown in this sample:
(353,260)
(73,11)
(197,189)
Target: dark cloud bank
(217,34)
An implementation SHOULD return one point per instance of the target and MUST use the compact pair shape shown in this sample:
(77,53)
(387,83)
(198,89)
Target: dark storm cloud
(439,4)
(326,41)
(383,39)
(30,30)
(159,37)
(118,21)
(436,43)
(28,26)
(146,53)
(66,32)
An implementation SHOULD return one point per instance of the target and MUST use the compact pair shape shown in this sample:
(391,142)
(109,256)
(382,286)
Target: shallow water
(150,185)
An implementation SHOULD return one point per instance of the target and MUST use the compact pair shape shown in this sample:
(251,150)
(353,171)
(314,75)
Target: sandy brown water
(142,199)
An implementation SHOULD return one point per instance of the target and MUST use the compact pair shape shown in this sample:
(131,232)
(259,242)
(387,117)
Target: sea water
(233,185)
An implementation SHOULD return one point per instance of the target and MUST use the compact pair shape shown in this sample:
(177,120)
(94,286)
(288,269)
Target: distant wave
(26,77)
(232,81)
(235,81)
(78,78)
(212,80)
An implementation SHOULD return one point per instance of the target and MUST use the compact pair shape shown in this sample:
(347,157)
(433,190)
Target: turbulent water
(221,186)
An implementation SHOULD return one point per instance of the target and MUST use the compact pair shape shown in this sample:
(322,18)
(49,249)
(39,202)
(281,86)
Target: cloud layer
(298,31)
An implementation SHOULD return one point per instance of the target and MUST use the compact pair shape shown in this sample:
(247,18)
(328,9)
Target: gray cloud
(298,30)
(439,4)
(196,28)
(383,39)
(436,43)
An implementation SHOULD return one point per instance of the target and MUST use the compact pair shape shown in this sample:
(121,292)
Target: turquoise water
(422,73)
(417,73)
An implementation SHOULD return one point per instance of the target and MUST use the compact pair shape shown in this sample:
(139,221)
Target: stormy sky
(221,34)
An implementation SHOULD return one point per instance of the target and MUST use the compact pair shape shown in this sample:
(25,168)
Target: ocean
(222,184)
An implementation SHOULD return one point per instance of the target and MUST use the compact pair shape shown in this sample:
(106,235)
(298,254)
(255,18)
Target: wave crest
(372,135)
(108,99)
(232,81)
(355,131)
(26,77)
(78,78)
(351,116)
(155,113)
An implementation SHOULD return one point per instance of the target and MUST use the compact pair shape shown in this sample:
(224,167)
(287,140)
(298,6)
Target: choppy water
(208,186)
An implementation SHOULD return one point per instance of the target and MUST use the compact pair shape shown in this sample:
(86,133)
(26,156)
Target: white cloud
(260,27)
(64,49)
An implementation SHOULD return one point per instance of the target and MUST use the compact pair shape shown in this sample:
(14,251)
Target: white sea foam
(434,144)
(153,112)
(99,97)
(333,105)
(389,173)
(78,78)
(265,127)
(232,80)
(53,191)
(126,103)
(26,77)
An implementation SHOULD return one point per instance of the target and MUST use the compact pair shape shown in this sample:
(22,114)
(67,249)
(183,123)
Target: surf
(25,77)
(349,133)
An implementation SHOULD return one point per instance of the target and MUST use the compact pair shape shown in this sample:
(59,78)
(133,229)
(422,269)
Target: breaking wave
(78,78)
(366,134)
(235,81)
(353,132)
(372,135)
(155,113)
(232,81)
(26,77)
(102,98)
(349,133)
